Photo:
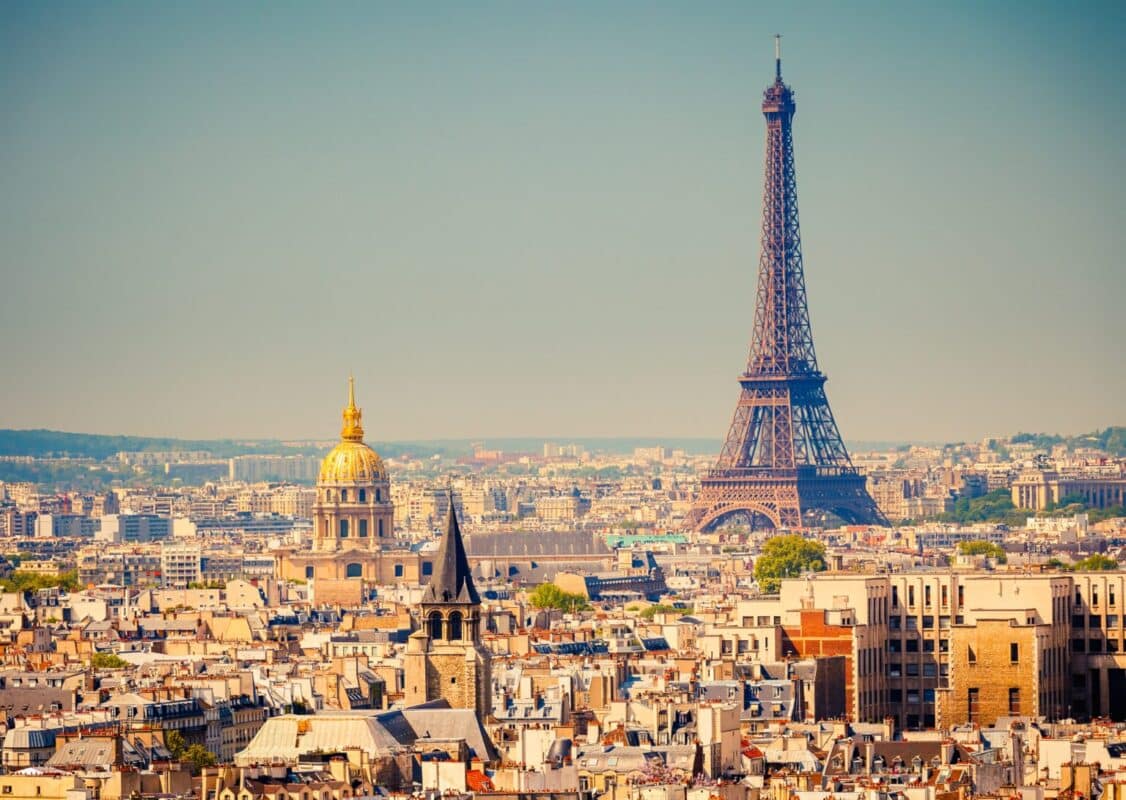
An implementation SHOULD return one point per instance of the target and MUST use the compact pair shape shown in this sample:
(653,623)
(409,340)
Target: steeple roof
(352,430)
(452,581)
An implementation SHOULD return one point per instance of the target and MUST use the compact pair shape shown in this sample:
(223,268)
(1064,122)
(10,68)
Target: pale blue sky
(542,219)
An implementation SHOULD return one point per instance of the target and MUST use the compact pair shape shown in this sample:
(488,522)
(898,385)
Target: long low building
(292,737)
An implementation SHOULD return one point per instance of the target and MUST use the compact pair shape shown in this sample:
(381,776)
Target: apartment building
(907,638)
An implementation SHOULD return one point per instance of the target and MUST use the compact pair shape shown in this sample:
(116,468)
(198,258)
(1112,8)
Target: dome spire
(352,430)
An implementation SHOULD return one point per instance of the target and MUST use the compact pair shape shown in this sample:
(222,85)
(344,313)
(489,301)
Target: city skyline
(206,247)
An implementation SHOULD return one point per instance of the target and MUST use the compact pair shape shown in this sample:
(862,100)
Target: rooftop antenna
(778,56)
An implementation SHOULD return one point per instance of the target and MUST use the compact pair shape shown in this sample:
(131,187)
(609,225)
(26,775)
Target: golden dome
(352,461)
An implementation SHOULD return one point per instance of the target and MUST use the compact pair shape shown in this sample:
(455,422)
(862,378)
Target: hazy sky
(537,218)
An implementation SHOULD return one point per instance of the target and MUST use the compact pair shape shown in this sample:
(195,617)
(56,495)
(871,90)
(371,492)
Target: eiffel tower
(783,455)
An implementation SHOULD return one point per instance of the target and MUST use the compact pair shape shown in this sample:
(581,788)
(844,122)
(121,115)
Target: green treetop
(787,557)
(548,595)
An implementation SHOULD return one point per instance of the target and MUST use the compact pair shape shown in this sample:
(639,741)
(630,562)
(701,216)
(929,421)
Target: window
(1014,652)
(910,595)
(895,696)
(894,670)
(912,645)
(894,623)
(1078,645)
(972,704)
(309,573)
(928,645)
(930,670)
(971,656)
(895,597)
(343,495)
(928,695)
(945,597)
(434,623)
(363,528)
(894,646)
(1014,701)
(912,695)
(961,596)
(378,496)
(927,596)
(380,528)
(363,495)
(398,570)
(1110,595)
(427,567)
(1112,620)
(343,529)
(455,626)
(1096,621)
(928,622)
(1095,646)
(354,570)
(912,670)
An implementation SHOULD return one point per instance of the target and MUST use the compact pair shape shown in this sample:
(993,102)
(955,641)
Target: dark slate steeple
(452,582)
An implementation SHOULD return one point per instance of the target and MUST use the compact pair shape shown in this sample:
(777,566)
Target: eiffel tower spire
(783,454)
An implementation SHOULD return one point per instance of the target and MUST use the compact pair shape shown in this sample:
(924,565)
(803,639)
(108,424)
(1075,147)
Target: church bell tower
(445,658)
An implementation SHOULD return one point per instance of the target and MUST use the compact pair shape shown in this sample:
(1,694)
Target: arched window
(363,495)
(363,528)
(354,570)
(343,495)
(434,625)
(454,629)
(343,529)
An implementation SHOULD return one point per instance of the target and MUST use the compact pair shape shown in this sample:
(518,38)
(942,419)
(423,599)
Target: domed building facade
(354,545)
(353,509)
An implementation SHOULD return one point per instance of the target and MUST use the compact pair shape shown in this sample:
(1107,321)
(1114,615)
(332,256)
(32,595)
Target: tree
(787,557)
(23,581)
(548,595)
(997,506)
(108,661)
(1096,562)
(980,547)
(661,608)
(174,742)
(199,757)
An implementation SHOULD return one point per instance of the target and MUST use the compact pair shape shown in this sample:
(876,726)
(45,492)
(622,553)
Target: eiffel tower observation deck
(783,460)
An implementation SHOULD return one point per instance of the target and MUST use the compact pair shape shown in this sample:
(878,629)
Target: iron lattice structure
(783,454)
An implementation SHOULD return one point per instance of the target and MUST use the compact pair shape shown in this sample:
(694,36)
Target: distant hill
(91,445)
(47,443)
(1112,440)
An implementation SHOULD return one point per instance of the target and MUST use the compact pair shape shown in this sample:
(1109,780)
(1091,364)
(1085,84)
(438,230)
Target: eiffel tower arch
(783,456)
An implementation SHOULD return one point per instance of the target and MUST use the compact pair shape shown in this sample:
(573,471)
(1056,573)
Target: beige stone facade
(999,668)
